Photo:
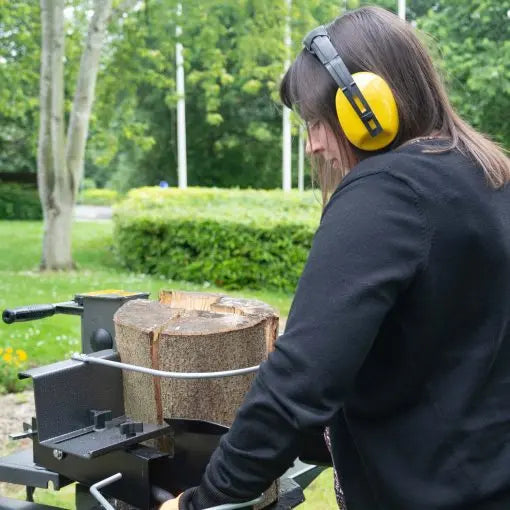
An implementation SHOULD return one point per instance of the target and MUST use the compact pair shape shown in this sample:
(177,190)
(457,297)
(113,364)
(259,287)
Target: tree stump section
(192,332)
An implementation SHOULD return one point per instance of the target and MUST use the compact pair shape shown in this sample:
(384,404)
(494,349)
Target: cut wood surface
(192,332)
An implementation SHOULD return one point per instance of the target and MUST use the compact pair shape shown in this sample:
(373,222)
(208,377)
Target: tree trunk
(53,178)
(57,237)
(82,104)
(60,167)
(192,332)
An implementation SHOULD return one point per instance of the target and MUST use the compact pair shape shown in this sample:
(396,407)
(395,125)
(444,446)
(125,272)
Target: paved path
(92,212)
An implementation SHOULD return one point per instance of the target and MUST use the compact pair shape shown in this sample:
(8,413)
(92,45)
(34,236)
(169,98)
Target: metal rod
(233,506)
(94,490)
(162,373)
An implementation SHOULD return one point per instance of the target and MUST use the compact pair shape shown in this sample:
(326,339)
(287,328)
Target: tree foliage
(19,68)
(474,40)
(234,59)
(20,63)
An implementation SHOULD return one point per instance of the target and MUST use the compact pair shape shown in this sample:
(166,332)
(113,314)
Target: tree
(19,68)
(60,155)
(473,38)
(234,62)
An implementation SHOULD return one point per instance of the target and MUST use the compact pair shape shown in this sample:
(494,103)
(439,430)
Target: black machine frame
(81,434)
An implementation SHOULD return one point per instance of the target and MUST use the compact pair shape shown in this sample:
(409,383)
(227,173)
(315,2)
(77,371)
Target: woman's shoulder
(426,165)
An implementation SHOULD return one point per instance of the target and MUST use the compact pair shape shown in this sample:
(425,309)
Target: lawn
(55,338)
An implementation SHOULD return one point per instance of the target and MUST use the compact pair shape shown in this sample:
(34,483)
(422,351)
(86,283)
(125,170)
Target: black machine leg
(30,494)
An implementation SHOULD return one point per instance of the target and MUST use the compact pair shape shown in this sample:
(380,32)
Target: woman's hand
(171,504)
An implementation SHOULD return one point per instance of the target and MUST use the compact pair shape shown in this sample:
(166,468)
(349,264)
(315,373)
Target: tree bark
(82,104)
(44,161)
(52,173)
(192,332)
(60,164)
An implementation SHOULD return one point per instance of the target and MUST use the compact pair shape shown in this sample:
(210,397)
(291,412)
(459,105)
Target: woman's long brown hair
(373,39)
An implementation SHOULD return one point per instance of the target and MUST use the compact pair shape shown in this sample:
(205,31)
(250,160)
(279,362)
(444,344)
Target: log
(192,332)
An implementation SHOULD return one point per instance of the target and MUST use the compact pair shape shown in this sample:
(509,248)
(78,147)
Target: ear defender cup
(382,102)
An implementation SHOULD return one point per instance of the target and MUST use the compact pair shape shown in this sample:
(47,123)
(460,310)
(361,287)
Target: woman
(398,339)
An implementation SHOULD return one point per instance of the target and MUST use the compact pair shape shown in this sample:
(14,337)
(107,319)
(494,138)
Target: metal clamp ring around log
(161,373)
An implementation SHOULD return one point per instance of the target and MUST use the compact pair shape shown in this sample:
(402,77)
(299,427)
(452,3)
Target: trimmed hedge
(98,196)
(232,238)
(19,202)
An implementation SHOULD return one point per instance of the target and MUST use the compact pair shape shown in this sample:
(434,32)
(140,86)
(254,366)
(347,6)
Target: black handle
(28,313)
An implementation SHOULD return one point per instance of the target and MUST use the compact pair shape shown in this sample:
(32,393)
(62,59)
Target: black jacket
(399,339)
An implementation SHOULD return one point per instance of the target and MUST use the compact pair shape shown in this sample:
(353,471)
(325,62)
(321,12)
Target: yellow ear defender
(365,105)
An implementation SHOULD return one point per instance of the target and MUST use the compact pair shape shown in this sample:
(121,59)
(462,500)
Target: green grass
(320,495)
(64,498)
(55,338)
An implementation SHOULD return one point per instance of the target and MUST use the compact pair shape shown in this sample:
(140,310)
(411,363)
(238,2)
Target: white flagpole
(286,133)
(182,171)
(301,160)
(402,9)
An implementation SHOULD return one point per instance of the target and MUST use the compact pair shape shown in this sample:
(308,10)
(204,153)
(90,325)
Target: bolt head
(58,454)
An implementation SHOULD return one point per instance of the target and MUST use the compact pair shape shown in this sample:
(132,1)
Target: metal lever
(28,431)
(33,312)
(22,435)
(94,490)
(28,313)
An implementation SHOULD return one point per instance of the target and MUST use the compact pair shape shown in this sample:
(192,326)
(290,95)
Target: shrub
(232,238)
(12,361)
(88,183)
(19,202)
(98,196)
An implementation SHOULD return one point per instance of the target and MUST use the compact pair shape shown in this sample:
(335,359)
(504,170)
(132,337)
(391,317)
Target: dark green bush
(231,238)
(19,202)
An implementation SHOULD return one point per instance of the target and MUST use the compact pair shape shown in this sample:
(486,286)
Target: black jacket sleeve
(371,242)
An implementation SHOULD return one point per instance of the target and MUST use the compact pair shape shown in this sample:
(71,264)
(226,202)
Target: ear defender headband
(365,106)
